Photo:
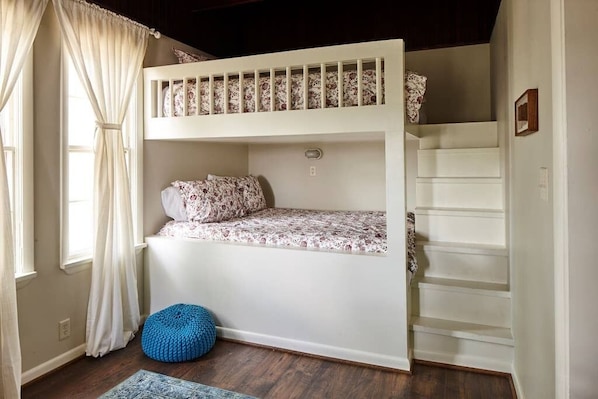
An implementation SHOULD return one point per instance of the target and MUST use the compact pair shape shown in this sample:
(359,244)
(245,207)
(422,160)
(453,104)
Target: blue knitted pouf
(178,333)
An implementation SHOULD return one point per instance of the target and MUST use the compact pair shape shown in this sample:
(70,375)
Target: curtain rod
(151,31)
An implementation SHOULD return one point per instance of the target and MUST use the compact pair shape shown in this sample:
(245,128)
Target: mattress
(415,87)
(341,231)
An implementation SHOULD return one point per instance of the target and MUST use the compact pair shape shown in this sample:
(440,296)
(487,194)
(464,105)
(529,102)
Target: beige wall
(53,295)
(521,46)
(581,64)
(159,51)
(350,176)
(165,162)
(458,86)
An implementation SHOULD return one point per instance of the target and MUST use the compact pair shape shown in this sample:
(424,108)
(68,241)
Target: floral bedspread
(415,86)
(353,231)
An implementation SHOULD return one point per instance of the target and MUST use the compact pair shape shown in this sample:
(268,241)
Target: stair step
(458,135)
(470,192)
(478,226)
(459,261)
(462,300)
(461,162)
(457,329)
(459,247)
(469,286)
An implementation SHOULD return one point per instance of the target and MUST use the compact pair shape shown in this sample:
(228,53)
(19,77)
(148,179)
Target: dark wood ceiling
(227,28)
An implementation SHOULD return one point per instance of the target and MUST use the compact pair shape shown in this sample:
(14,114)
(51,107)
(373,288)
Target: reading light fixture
(313,153)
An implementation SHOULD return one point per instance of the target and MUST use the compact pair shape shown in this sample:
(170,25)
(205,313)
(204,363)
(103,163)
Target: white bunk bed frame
(339,305)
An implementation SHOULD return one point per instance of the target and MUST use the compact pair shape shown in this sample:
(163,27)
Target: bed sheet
(415,87)
(351,231)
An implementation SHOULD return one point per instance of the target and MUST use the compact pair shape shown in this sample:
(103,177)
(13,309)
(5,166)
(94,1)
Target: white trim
(52,364)
(332,352)
(517,384)
(560,203)
(80,264)
(23,278)
(482,363)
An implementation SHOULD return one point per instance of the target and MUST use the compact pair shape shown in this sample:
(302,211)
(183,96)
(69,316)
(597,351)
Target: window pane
(9,159)
(80,227)
(80,176)
(81,122)
(6,127)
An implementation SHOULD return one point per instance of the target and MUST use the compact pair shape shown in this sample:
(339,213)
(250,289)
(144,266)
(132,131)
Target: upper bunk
(352,91)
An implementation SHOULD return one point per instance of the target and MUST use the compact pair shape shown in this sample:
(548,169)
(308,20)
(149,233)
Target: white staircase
(461,301)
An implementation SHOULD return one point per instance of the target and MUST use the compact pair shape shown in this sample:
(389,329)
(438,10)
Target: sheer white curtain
(107,51)
(19,21)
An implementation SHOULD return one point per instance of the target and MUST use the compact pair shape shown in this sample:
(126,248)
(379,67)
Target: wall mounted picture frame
(526,113)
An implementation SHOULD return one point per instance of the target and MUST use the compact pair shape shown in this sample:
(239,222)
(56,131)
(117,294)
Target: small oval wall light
(313,153)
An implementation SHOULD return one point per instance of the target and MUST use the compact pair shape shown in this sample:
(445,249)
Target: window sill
(78,265)
(23,279)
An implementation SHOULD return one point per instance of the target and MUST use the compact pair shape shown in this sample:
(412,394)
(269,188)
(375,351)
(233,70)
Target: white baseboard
(517,384)
(464,361)
(58,361)
(52,364)
(312,348)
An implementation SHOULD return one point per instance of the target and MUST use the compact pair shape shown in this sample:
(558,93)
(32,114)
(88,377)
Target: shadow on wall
(267,190)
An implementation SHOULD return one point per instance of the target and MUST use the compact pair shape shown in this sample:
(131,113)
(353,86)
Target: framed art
(526,113)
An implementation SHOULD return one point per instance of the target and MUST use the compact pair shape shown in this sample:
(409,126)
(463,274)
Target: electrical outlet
(64,329)
(312,170)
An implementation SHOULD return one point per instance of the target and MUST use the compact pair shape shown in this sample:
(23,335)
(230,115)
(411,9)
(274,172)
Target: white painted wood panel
(464,162)
(460,225)
(490,308)
(465,266)
(454,192)
(458,135)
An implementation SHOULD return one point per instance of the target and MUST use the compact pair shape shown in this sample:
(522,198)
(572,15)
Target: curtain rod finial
(155,33)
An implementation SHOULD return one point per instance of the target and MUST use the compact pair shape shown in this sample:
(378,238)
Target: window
(78,129)
(16,120)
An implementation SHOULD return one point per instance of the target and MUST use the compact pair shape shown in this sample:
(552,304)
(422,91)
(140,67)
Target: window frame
(134,122)
(22,177)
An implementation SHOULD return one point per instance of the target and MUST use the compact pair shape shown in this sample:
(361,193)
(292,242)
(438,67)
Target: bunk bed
(345,301)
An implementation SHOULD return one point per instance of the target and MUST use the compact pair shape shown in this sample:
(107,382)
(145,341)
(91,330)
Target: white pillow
(173,204)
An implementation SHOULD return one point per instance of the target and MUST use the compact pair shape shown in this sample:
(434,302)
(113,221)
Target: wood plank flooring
(267,373)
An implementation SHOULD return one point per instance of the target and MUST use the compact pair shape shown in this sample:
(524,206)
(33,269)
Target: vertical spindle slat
(305,87)
(378,81)
(159,98)
(341,89)
(359,82)
(258,91)
(197,95)
(272,82)
(171,105)
(211,93)
(288,88)
(322,86)
(225,92)
(241,93)
(185,98)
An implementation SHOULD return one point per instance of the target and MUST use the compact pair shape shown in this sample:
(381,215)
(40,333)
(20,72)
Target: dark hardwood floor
(268,373)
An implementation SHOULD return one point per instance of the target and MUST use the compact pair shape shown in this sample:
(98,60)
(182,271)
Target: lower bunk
(317,282)
(338,305)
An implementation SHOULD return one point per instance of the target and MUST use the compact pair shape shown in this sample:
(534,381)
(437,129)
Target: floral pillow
(415,89)
(250,190)
(185,57)
(210,200)
(253,196)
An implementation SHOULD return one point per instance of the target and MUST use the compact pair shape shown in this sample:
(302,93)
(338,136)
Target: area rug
(146,384)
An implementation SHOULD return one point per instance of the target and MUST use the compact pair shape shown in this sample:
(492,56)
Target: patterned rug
(146,384)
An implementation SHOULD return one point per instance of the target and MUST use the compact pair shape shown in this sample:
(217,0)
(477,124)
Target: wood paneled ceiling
(227,28)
